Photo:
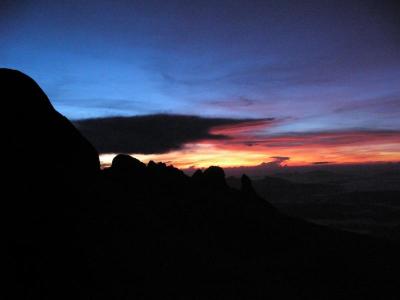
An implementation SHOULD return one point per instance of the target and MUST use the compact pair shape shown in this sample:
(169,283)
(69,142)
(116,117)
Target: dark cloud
(151,134)
(321,162)
(276,163)
(280,158)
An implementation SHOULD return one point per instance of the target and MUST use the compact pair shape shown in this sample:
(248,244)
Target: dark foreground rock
(42,146)
(136,231)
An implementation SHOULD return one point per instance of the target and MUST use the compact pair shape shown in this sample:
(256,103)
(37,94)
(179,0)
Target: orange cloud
(248,144)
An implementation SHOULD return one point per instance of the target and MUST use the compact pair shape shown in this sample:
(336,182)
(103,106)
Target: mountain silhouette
(137,231)
(39,138)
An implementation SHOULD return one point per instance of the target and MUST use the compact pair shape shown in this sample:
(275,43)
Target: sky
(230,83)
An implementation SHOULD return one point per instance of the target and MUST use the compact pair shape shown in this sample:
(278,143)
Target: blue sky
(313,65)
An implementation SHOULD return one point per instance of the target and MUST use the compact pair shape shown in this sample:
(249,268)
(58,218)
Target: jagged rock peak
(215,176)
(197,175)
(127,163)
(151,164)
(247,186)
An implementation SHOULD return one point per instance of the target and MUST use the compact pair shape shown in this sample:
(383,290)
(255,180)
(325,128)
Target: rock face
(40,141)
(47,173)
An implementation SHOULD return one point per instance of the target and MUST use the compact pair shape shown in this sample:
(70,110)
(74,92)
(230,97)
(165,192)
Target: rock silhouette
(126,163)
(136,231)
(247,186)
(40,138)
(48,168)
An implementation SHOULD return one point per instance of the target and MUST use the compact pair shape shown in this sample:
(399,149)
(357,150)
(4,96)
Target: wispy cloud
(377,105)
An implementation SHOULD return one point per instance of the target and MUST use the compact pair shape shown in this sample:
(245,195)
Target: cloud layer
(153,134)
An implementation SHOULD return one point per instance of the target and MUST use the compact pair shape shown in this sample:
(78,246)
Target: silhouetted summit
(127,163)
(133,231)
(214,176)
(247,186)
(39,140)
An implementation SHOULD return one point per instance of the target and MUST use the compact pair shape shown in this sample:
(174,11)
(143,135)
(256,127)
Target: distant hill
(373,212)
(277,189)
(136,231)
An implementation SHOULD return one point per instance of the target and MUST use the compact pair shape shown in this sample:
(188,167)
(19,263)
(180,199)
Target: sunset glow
(247,145)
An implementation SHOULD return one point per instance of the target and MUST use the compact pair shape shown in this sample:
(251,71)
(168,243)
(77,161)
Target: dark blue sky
(313,65)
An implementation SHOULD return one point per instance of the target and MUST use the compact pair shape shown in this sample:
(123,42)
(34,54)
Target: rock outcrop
(43,146)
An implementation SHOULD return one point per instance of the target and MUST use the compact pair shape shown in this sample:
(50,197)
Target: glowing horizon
(191,161)
(250,144)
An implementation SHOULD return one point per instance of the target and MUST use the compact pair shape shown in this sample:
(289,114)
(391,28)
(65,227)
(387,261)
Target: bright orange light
(243,148)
